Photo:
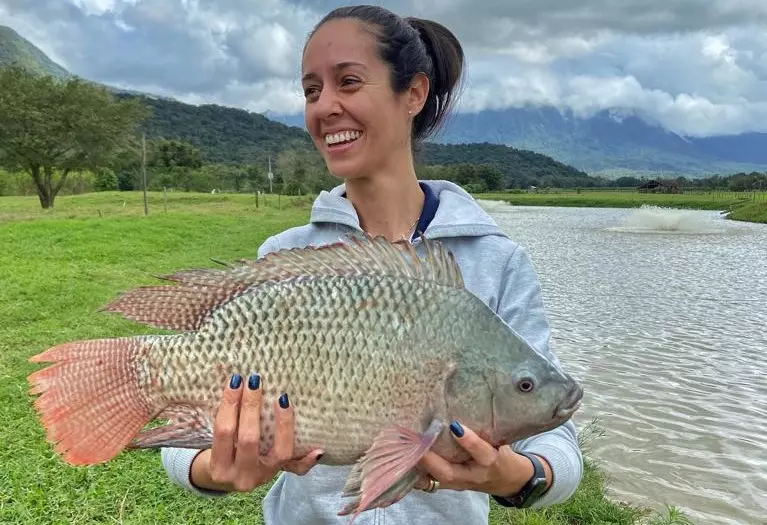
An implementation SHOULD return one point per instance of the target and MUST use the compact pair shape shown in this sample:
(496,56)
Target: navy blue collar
(430,205)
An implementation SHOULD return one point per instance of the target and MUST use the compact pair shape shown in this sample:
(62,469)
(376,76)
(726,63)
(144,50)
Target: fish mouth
(570,404)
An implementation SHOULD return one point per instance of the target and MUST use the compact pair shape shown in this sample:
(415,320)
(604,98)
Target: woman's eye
(347,81)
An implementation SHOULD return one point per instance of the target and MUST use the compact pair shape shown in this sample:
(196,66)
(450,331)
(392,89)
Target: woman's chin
(344,170)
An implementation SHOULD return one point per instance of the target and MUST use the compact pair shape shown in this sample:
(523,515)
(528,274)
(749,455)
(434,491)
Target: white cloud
(95,7)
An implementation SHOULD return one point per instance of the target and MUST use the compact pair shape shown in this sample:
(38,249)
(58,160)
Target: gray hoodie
(500,273)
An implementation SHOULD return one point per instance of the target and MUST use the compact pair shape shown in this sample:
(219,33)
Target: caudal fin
(92,403)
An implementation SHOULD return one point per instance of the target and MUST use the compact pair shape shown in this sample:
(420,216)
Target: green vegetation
(53,129)
(14,49)
(742,206)
(238,138)
(49,128)
(223,135)
(521,168)
(59,266)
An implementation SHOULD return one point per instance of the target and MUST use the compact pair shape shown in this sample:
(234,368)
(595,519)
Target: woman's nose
(328,104)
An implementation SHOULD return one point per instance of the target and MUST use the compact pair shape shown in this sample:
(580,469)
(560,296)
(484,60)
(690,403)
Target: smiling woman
(375,84)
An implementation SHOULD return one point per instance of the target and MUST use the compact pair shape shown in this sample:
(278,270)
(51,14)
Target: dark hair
(411,46)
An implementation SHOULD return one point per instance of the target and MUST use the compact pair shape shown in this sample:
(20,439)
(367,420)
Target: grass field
(57,267)
(750,207)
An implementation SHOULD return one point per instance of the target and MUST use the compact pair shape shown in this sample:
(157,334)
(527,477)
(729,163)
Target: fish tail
(92,403)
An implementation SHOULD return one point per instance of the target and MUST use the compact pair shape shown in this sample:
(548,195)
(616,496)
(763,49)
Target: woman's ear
(417,94)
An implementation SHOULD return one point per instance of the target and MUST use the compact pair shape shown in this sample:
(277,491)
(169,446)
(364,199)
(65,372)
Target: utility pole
(270,175)
(143,170)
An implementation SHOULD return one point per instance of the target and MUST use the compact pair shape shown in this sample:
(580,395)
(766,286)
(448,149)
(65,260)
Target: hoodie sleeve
(177,462)
(520,304)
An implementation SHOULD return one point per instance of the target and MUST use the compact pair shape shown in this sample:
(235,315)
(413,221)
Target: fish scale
(377,347)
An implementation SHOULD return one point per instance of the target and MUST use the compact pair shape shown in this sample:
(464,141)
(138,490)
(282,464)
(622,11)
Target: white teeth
(342,136)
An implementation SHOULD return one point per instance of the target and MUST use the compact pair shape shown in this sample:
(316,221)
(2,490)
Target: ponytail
(447,60)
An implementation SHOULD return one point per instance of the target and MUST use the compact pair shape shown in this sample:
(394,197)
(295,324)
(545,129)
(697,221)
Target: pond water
(663,316)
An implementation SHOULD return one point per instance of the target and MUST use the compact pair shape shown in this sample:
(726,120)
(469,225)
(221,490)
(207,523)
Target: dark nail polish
(284,403)
(235,382)
(319,458)
(254,381)
(456,428)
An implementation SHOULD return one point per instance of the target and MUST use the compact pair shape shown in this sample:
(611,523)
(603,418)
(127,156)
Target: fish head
(531,396)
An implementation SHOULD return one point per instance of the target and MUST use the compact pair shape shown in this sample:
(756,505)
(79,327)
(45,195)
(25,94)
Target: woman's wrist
(199,474)
(522,474)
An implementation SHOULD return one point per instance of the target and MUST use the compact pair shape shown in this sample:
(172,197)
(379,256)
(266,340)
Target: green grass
(750,207)
(57,267)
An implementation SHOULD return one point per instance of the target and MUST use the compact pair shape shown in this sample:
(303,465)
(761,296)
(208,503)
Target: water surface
(663,316)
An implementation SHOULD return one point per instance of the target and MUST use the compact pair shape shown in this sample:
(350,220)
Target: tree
(491,176)
(51,127)
(105,180)
(303,172)
(173,153)
(177,160)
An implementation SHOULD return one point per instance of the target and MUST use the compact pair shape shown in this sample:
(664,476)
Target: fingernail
(254,381)
(284,401)
(456,428)
(319,457)
(235,382)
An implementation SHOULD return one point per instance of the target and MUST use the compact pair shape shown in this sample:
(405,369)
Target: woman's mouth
(341,140)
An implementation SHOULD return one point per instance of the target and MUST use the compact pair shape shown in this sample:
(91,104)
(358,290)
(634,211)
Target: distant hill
(235,136)
(521,142)
(16,49)
(609,144)
(223,135)
(521,168)
(746,148)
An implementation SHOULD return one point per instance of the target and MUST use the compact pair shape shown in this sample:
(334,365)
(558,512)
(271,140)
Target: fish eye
(526,385)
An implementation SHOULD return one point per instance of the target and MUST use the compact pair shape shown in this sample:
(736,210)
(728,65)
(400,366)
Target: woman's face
(357,122)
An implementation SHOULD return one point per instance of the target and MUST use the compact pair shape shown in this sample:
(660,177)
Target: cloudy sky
(698,67)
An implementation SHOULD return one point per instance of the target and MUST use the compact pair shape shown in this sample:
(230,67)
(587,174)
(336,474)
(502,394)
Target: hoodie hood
(458,213)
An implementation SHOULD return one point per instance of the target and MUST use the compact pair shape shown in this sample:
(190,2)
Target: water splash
(658,219)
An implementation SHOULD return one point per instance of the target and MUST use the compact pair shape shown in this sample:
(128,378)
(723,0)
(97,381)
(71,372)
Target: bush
(105,180)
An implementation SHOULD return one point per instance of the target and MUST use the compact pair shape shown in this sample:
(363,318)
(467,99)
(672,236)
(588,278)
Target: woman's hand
(501,472)
(234,462)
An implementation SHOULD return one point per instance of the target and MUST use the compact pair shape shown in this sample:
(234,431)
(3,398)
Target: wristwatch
(533,490)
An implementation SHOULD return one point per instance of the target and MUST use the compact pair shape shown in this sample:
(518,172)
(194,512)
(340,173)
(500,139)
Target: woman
(374,85)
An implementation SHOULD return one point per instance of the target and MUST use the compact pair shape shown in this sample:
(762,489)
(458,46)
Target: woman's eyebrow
(337,67)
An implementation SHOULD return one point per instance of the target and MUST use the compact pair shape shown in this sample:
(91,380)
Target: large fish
(378,348)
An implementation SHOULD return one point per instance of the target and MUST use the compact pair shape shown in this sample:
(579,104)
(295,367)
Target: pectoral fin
(385,474)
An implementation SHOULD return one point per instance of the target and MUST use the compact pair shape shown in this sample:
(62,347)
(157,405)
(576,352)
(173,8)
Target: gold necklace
(409,232)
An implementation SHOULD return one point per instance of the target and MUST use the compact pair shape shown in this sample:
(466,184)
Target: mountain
(746,148)
(521,142)
(16,49)
(223,135)
(234,136)
(610,143)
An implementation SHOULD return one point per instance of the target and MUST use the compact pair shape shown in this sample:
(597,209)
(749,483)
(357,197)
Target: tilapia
(378,346)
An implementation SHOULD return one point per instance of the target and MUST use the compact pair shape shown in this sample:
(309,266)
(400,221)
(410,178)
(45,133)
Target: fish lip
(570,404)
(566,413)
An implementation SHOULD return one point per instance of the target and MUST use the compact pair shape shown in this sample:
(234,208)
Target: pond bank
(749,207)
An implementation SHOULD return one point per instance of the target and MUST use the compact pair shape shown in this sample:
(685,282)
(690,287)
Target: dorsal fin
(184,306)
